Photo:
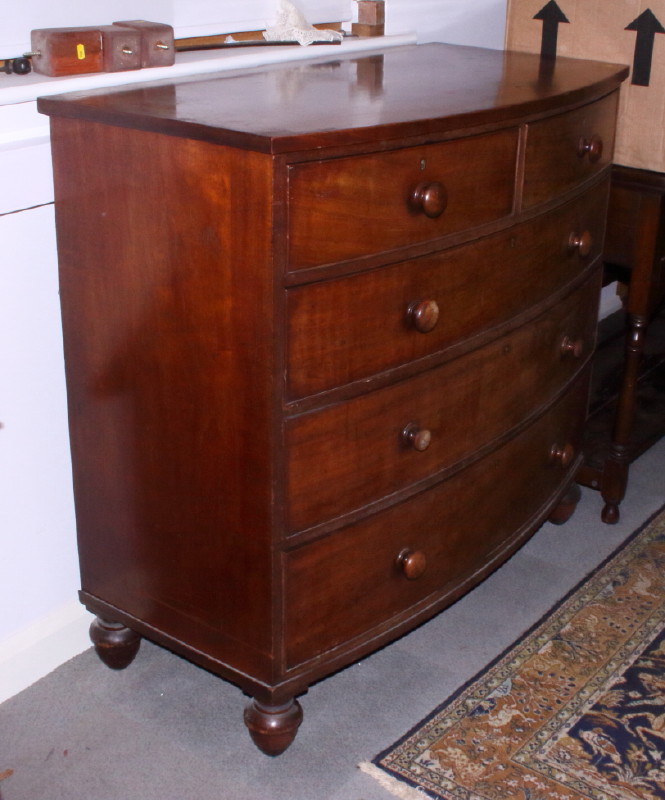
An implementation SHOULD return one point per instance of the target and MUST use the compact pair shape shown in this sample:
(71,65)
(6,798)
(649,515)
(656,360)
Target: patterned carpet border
(574,710)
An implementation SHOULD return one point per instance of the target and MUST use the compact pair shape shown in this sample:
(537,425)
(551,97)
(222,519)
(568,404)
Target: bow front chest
(328,330)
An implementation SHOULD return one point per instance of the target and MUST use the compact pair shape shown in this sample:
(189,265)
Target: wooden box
(66,51)
(157,46)
(121,48)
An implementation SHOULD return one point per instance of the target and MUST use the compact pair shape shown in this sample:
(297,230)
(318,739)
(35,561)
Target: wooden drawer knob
(418,438)
(424,315)
(591,147)
(562,454)
(412,563)
(572,347)
(430,198)
(580,243)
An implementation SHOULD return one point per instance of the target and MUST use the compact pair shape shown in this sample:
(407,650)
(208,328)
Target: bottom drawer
(353,584)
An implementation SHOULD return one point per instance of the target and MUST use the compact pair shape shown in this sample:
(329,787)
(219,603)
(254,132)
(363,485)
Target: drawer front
(453,528)
(378,443)
(348,329)
(350,207)
(563,151)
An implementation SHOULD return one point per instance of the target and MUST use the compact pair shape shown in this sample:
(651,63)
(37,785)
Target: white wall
(41,622)
(471,22)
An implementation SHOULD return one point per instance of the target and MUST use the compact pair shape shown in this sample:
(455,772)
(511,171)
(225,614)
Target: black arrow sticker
(551,15)
(647,26)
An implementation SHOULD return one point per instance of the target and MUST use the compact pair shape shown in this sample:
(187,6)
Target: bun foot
(610,514)
(567,505)
(115,644)
(273,728)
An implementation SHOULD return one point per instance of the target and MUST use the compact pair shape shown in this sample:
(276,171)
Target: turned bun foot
(610,514)
(567,505)
(273,728)
(115,644)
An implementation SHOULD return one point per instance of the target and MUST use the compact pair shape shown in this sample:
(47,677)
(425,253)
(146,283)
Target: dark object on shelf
(16,66)
(627,414)
(243,43)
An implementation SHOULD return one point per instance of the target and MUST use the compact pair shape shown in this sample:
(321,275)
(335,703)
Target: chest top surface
(322,103)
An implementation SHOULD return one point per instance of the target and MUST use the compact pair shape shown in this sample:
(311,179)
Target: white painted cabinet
(37,529)
(36,514)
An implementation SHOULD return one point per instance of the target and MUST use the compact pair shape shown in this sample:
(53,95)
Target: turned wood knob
(424,315)
(580,243)
(571,347)
(562,455)
(430,198)
(418,438)
(412,563)
(591,147)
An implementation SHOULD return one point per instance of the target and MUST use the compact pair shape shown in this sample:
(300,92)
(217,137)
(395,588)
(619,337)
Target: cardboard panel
(628,32)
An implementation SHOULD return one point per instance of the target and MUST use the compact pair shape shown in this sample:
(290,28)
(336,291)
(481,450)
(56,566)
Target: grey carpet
(166,730)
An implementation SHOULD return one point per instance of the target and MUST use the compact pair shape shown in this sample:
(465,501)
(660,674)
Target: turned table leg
(273,728)
(115,644)
(615,475)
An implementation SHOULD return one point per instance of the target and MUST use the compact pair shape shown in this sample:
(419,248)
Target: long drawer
(347,329)
(439,538)
(345,208)
(380,442)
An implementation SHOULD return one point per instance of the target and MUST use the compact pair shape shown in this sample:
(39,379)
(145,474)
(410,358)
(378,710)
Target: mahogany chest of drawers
(328,330)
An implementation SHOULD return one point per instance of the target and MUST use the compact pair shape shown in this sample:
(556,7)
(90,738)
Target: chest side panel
(167,292)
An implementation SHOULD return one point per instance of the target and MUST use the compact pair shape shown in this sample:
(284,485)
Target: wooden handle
(424,315)
(571,347)
(412,563)
(430,198)
(419,438)
(580,243)
(591,147)
(563,455)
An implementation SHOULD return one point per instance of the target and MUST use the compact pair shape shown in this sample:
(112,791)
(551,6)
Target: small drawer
(345,208)
(422,550)
(383,441)
(397,314)
(566,150)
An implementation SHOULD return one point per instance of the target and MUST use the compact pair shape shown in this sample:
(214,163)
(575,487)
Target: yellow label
(80,51)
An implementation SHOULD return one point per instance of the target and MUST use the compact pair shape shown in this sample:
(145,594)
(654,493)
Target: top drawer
(346,208)
(566,150)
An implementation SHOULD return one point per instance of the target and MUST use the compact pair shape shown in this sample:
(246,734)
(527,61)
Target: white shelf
(27,88)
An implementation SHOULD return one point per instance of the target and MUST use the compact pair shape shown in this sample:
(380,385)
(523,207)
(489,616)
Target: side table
(635,255)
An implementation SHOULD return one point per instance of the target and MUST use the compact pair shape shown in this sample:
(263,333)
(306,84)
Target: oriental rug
(575,710)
